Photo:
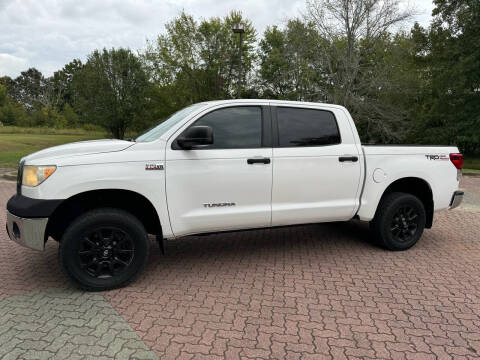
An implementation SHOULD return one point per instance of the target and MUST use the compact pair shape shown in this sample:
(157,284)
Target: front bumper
(457,198)
(27,232)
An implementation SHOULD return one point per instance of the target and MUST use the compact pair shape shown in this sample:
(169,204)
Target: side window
(235,127)
(306,127)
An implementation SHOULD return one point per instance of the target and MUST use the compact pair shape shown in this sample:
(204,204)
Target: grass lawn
(17,142)
(471,171)
(13,146)
(471,163)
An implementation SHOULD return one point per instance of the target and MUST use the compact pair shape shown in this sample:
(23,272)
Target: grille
(19,178)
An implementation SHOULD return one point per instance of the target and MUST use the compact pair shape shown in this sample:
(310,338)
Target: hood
(78,148)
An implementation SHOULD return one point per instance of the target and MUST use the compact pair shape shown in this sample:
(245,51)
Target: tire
(103,249)
(399,221)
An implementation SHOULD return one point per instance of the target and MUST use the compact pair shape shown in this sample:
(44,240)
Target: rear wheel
(104,249)
(399,221)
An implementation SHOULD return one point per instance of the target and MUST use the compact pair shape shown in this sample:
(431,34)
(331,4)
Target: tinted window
(235,127)
(306,127)
(159,130)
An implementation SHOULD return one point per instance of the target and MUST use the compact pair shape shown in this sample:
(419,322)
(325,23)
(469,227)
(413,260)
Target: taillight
(457,160)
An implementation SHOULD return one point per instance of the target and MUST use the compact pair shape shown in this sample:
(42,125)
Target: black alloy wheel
(104,249)
(106,252)
(399,221)
(404,224)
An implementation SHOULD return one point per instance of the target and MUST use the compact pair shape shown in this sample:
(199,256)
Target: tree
(111,89)
(61,84)
(30,89)
(3,95)
(8,83)
(198,61)
(420,86)
(448,55)
(350,32)
(10,113)
(286,62)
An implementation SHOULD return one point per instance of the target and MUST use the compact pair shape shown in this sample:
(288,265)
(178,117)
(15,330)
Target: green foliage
(286,62)
(61,85)
(195,62)
(449,57)
(386,83)
(71,117)
(29,89)
(13,114)
(421,86)
(471,162)
(111,90)
(30,101)
(3,95)
(90,130)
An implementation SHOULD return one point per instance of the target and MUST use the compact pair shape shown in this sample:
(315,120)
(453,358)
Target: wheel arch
(417,187)
(130,201)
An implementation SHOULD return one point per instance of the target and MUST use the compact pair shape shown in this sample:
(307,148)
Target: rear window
(306,127)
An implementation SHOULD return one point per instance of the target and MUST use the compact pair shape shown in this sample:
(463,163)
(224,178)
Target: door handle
(348,158)
(258,161)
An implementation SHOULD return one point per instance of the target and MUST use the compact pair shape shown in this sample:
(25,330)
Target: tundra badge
(210,205)
(153,167)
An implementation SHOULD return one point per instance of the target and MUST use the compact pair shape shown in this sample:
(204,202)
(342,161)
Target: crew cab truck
(220,166)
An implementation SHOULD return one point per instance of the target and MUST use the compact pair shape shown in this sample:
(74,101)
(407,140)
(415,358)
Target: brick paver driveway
(318,291)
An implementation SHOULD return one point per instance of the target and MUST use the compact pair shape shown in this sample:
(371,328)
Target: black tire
(399,221)
(103,249)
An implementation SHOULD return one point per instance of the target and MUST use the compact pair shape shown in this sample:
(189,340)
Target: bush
(94,130)
(13,114)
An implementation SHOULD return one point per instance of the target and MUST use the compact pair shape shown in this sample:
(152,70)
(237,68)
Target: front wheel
(104,249)
(399,221)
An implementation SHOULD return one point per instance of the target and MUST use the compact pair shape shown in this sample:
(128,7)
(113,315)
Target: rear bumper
(27,232)
(457,198)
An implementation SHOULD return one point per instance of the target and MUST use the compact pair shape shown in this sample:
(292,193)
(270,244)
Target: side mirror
(195,136)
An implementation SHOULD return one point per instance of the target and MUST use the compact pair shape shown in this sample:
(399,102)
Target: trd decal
(441,157)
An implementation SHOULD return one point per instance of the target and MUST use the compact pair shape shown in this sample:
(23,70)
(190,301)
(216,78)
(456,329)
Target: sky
(47,34)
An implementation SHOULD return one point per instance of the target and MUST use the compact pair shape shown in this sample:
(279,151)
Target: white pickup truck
(221,166)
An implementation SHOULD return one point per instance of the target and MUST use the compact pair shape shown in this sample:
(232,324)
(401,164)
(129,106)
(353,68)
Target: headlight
(35,175)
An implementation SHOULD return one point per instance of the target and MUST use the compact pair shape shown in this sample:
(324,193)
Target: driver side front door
(226,185)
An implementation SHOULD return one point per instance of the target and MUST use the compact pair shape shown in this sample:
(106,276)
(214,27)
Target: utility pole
(239,29)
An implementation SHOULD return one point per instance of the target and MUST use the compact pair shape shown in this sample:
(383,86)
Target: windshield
(160,129)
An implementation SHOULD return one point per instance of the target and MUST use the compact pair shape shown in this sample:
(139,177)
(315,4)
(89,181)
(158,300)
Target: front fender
(69,181)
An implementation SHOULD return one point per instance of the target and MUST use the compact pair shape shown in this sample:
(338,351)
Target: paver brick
(67,339)
(312,292)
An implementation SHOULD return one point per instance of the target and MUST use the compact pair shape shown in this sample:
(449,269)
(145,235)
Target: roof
(271,102)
